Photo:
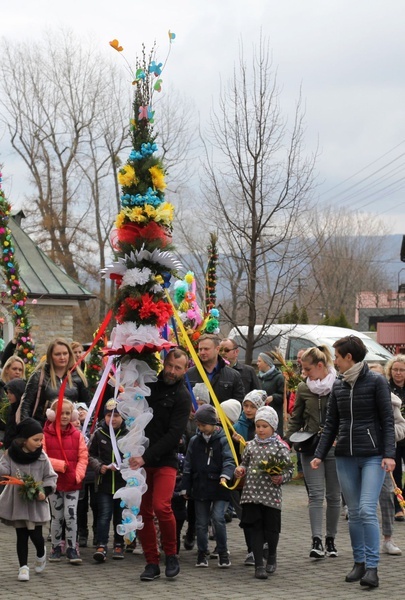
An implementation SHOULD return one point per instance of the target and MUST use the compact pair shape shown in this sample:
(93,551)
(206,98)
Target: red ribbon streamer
(62,389)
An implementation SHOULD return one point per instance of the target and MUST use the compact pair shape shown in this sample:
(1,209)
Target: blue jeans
(361,479)
(204,509)
(107,508)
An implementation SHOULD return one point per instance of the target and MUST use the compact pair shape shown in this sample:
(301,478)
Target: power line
(371,189)
(364,168)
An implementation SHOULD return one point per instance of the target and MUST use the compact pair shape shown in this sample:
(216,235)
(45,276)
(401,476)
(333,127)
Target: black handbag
(309,445)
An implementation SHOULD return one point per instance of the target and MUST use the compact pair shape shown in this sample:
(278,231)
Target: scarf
(266,440)
(322,387)
(18,455)
(261,375)
(351,375)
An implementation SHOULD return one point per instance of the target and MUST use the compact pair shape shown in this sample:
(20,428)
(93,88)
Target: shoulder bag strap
(41,381)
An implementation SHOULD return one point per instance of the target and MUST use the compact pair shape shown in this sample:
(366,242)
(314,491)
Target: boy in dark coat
(209,462)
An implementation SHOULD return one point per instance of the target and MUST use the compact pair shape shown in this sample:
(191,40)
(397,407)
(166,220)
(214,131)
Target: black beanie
(28,428)
(206,414)
(16,387)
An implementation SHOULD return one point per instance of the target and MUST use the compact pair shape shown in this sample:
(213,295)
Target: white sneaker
(40,563)
(24,573)
(390,548)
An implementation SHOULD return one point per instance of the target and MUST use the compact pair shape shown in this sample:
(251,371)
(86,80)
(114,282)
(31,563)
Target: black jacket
(171,406)
(361,418)
(78,392)
(273,384)
(249,378)
(205,463)
(226,383)
(101,453)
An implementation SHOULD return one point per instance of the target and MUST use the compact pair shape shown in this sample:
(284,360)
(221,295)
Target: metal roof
(39,275)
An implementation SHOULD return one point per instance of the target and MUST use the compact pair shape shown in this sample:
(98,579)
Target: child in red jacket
(69,461)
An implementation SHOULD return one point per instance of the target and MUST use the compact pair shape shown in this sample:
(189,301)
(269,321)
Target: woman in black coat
(361,421)
(44,384)
(14,390)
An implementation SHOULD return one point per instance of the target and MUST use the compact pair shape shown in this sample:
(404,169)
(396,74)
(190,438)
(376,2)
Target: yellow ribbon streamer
(226,423)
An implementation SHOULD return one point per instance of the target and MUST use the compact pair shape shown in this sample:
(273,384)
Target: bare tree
(344,260)
(258,185)
(176,139)
(67,117)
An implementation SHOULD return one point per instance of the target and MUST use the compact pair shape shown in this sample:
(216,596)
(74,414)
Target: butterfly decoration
(143,113)
(172,36)
(116,45)
(156,69)
(158,86)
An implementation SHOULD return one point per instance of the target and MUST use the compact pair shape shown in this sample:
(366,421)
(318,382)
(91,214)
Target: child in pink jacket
(70,462)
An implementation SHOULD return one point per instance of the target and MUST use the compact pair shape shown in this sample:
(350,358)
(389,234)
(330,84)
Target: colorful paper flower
(127,177)
(158,178)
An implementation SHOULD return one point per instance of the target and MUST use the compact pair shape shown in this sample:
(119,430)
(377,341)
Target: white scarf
(322,387)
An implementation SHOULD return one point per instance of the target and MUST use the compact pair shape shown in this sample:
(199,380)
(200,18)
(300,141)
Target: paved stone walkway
(297,577)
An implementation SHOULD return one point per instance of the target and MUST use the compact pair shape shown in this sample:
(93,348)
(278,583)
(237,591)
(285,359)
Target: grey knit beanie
(267,359)
(206,414)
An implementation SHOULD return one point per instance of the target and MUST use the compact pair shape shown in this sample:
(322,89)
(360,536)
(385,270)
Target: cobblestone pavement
(297,577)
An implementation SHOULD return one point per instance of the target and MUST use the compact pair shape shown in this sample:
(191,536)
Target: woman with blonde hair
(395,373)
(309,416)
(44,384)
(14,368)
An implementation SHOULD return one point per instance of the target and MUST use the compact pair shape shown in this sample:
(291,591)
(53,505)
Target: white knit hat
(256,397)
(232,409)
(268,414)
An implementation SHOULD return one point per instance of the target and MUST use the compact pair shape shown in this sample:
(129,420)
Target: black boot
(356,573)
(370,578)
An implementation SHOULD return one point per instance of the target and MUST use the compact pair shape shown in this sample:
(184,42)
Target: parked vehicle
(288,339)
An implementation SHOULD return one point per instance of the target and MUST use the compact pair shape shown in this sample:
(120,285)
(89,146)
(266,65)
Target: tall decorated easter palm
(142,269)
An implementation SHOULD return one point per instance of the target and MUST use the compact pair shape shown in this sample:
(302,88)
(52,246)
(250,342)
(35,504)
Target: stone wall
(49,321)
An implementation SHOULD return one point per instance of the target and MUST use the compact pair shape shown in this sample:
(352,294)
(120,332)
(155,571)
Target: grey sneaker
(250,560)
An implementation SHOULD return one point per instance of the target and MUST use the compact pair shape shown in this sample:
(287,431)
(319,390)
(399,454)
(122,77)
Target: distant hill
(391,257)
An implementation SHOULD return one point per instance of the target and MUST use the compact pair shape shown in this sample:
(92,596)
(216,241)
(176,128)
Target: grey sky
(346,54)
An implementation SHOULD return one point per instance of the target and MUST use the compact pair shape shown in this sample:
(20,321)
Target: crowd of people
(347,418)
